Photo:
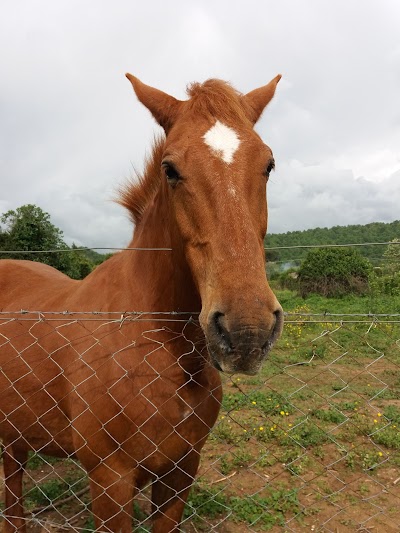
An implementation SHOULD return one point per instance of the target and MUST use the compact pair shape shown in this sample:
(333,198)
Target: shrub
(386,278)
(388,284)
(334,272)
(289,279)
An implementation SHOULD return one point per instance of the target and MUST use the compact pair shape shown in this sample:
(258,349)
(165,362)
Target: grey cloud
(315,196)
(71,128)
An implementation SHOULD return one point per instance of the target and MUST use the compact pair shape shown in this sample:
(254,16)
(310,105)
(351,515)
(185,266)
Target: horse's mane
(218,99)
(214,98)
(136,195)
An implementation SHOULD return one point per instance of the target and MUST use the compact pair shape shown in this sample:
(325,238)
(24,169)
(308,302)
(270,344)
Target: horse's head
(216,167)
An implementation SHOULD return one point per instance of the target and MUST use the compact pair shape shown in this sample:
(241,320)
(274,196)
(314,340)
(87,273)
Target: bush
(381,283)
(334,272)
(289,279)
(386,278)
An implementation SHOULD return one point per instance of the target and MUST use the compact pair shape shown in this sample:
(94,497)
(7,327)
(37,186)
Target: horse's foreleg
(112,492)
(14,462)
(170,492)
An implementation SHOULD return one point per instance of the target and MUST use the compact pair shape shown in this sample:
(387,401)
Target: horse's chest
(174,434)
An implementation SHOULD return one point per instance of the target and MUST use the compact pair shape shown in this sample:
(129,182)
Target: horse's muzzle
(239,347)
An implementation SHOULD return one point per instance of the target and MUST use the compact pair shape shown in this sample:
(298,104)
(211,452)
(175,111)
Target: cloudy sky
(71,129)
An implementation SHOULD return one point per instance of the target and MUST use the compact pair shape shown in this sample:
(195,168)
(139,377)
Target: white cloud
(71,128)
(303,197)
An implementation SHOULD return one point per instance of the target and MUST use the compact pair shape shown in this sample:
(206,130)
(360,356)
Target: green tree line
(374,232)
(29,228)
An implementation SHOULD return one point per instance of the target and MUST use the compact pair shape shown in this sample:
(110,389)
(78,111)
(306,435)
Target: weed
(350,460)
(89,526)
(364,489)
(369,460)
(241,458)
(38,460)
(329,415)
(264,461)
(49,491)
(225,465)
(229,433)
(265,511)
(392,413)
(306,434)
(266,402)
(205,502)
(388,436)
(347,406)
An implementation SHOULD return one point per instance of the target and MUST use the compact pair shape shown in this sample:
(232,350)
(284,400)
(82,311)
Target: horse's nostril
(276,330)
(216,321)
(221,331)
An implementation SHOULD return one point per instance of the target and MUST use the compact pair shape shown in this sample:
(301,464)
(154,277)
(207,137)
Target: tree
(29,228)
(392,257)
(334,272)
(386,278)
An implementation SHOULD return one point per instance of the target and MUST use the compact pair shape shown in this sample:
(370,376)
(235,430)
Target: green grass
(207,503)
(263,512)
(268,403)
(48,492)
(348,304)
(392,413)
(329,415)
(266,511)
(389,437)
(38,460)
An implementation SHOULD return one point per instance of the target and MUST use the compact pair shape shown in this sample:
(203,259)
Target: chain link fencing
(312,443)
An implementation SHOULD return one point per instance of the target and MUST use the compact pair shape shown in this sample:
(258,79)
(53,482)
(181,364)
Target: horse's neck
(151,281)
(155,280)
(170,275)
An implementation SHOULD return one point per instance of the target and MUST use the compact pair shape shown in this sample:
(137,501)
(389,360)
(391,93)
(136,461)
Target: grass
(266,511)
(262,511)
(348,304)
(47,492)
(37,460)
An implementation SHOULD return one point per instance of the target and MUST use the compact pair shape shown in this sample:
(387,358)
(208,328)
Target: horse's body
(135,400)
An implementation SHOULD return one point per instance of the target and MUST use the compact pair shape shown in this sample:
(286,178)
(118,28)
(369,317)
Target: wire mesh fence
(312,443)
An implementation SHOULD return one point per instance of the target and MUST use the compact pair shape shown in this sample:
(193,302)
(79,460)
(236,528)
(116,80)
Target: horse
(133,399)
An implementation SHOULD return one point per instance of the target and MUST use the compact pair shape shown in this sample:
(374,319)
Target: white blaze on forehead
(223,141)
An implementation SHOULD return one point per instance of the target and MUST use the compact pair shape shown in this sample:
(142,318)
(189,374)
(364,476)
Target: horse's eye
(171,173)
(270,167)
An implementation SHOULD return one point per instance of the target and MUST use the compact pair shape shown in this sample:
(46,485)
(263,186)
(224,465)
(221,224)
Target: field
(311,444)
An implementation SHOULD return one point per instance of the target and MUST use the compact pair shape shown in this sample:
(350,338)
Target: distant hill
(374,232)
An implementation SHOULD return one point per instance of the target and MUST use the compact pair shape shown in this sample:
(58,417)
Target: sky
(71,129)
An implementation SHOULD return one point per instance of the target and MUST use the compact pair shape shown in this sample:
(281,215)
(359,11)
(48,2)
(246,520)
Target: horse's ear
(163,107)
(258,99)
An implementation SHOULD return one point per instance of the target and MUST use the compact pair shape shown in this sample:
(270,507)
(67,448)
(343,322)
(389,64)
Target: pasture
(312,443)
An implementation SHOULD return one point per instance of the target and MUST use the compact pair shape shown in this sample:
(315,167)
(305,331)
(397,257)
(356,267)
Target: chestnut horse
(134,400)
